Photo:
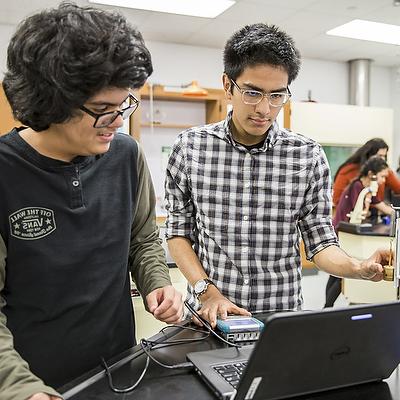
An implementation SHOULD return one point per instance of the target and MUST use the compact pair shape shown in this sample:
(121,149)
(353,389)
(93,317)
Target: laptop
(306,352)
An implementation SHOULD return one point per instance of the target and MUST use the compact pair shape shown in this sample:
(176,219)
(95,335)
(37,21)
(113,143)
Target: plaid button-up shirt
(244,211)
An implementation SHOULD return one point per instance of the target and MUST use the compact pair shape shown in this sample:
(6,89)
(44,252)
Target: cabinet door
(214,103)
(7,121)
(157,123)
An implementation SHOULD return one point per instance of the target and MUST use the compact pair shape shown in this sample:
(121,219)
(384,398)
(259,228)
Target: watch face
(200,286)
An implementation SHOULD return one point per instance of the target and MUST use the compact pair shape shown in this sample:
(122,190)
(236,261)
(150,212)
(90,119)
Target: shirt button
(247,185)
(246,281)
(245,249)
(75,183)
(246,217)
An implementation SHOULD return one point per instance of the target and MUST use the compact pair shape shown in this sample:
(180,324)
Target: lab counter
(172,384)
(360,241)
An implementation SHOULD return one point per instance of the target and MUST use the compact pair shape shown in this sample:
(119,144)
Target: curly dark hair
(59,58)
(367,150)
(261,44)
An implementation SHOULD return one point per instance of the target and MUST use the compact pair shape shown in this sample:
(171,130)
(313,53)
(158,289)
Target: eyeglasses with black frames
(105,119)
(253,97)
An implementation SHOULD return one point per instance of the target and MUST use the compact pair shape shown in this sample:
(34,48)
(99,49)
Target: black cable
(185,340)
(207,325)
(157,344)
(147,346)
(127,389)
(189,328)
(143,344)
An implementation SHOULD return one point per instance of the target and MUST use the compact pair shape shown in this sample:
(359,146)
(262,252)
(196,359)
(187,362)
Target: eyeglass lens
(255,97)
(108,119)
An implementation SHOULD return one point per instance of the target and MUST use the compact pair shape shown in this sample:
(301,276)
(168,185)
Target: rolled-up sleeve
(315,221)
(178,199)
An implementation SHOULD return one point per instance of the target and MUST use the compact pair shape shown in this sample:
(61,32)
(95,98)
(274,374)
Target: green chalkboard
(337,155)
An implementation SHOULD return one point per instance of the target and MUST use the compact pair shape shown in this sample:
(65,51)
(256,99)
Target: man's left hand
(371,268)
(166,304)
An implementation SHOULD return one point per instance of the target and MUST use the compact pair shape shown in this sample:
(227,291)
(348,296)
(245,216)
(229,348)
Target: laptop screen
(306,352)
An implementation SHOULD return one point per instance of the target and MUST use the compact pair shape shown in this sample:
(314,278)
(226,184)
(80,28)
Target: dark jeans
(332,291)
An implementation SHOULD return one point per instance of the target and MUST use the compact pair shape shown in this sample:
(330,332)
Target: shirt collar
(226,133)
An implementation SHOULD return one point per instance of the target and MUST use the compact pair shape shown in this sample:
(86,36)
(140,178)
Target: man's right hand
(43,396)
(214,305)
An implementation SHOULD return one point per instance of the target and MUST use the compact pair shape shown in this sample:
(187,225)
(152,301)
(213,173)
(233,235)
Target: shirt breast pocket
(216,210)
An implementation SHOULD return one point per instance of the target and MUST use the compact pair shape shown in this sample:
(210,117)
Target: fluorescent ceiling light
(195,8)
(368,30)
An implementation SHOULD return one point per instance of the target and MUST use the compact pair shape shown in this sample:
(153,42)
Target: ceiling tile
(305,20)
(250,13)
(290,4)
(170,27)
(350,8)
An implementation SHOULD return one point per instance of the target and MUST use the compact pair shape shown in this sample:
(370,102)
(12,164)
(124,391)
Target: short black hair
(259,44)
(60,57)
(374,164)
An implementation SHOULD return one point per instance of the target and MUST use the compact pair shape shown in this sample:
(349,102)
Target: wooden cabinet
(162,115)
(214,102)
(7,121)
(215,105)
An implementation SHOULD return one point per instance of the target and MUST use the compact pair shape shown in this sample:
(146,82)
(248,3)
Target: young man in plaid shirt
(240,193)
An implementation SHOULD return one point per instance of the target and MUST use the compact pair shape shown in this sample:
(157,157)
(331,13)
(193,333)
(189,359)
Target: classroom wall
(395,84)
(327,80)
(6,32)
(176,64)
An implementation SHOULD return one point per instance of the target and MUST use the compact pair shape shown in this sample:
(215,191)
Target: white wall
(329,81)
(320,122)
(395,84)
(176,64)
(6,32)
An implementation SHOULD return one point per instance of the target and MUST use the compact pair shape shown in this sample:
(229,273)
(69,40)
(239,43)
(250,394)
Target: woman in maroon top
(377,167)
(350,170)
(374,166)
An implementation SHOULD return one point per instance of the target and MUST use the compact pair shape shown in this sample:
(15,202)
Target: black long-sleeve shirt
(70,233)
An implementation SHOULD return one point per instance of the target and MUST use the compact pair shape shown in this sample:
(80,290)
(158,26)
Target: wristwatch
(201,286)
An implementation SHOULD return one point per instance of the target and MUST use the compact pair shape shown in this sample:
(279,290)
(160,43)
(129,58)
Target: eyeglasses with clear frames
(253,97)
(105,119)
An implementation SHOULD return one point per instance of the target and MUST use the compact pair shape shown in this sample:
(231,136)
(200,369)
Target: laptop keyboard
(231,372)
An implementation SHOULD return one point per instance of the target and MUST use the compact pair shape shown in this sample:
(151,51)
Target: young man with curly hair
(241,192)
(77,202)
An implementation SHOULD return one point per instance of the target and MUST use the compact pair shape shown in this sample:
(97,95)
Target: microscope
(361,209)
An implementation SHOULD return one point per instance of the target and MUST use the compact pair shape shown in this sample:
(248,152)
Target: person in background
(240,192)
(77,202)
(350,170)
(374,168)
